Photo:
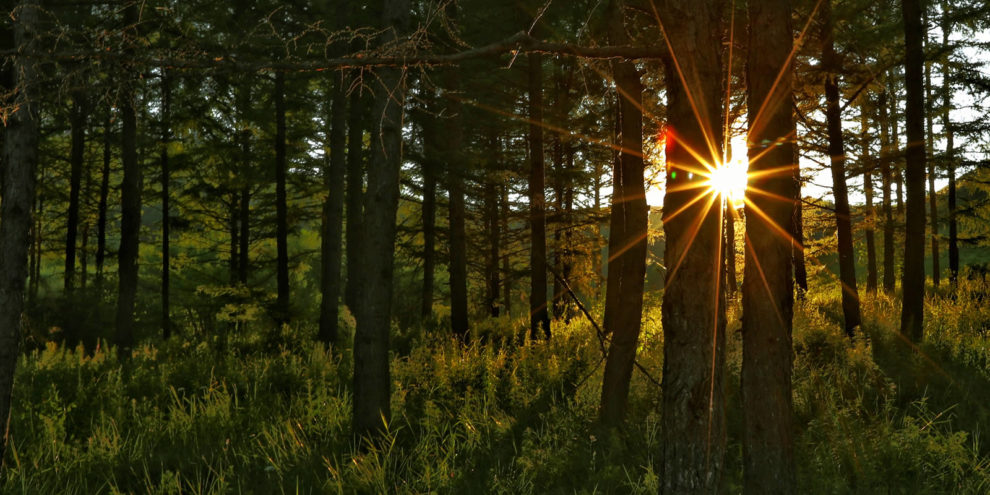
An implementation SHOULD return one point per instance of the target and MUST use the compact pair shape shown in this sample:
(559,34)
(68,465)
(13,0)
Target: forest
(457,246)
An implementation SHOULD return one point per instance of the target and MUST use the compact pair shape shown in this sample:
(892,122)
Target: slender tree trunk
(729,218)
(491,261)
(886,156)
(101,206)
(693,310)
(244,220)
(768,288)
(506,266)
(20,157)
(165,179)
(281,205)
(557,300)
(836,151)
(539,317)
(355,198)
(372,385)
(629,200)
(333,215)
(429,171)
(950,153)
(930,150)
(37,236)
(913,276)
(76,158)
(797,230)
(130,206)
(867,164)
(454,167)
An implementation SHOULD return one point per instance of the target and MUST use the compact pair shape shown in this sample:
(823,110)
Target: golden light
(728,180)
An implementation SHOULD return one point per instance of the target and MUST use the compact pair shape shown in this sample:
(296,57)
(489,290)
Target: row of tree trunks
(693,309)
(627,235)
(20,157)
(836,151)
(768,287)
(372,385)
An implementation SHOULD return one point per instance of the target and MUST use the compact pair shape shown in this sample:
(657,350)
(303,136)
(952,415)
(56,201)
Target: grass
(187,417)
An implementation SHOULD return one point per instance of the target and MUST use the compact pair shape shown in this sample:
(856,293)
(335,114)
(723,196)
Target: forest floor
(873,414)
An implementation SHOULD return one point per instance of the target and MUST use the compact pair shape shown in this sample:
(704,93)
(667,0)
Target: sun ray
(717,305)
(695,227)
(777,228)
(763,277)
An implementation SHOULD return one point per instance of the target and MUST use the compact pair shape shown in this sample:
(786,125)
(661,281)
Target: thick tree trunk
(692,408)
(913,277)
(372,385)
(837,155)
(538,314)
(454,168)
(886,157)
(20,157)
(629,221)
(101,205)
(165,179)
(867,164)
(950,154)
(76,158)
(355,198)
(768,290)
(281,205)
(130,207)
(331,252)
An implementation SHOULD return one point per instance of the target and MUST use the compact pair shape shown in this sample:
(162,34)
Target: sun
(728,180)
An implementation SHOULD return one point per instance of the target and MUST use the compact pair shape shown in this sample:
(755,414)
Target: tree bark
(930,150)
(867,164)
(165,179)
(76,159)
(768,290)
(886,157)
(372,385)
(454,167)
(20,157)
(281,205)
(130,204)
(429,171)
(630,218)
(692,408)
(950,153)
(506,266)
(331,252)
(539,318)
(101,206)
(244,220)
(913,275)
(355,198)
(837,155)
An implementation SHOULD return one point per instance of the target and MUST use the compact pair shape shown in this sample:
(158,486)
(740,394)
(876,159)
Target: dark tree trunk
(492,227)
(355,198)
(165,179)
(886,157)
(768,290)
(281,205)
(730,246)
(101,206)
(506,266)
(429,171)
(557,301)
(130,207)
(950,154)
(629,199)
(797,230)
(331,251)
(539,315)
(913,276)
(629,220)
(693,310)
(20,157)
(836,151)
(930,150)
(244,220)
(867,164)
(76,158)
(454,168)
(233,214)
(372,385)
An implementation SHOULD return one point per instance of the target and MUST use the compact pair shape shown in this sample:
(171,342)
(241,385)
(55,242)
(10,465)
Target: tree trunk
(372,385)
(539,319)
(729,217)
(950,153)
(130,206)
(630,218)
(331,251)
(76,159)
(101,206)
(454,167)
(355,198)
(797,230)
(867,164)
(836,151)
(913,275)
(768,290)
(233,216)
(244,220)
(506,265)
(20,157)
(281,205)
(492,227)
(165,178)
(930,150)
(886,157)
(429,171)
(693,310)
